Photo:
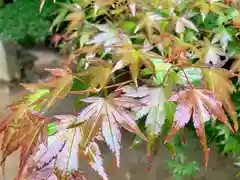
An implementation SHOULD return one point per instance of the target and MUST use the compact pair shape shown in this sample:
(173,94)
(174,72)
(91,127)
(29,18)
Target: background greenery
(22,21)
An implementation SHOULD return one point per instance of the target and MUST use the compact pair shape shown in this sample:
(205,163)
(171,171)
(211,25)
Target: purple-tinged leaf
(94,156)
(112,135)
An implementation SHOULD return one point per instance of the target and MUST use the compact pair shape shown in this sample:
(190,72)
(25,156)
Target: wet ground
(133,162)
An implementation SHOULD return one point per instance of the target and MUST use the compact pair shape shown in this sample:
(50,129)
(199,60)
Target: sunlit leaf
(110,35)
(213,77)
(182,23)
(134,58)
(150,22)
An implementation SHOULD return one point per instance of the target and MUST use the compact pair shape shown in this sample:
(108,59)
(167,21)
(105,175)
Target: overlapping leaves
(60,158)
(165,46)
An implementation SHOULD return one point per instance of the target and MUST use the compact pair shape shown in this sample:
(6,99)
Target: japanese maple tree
(127,60)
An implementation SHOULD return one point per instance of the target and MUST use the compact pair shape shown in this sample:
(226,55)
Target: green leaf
(232,145)
(128,26)
(59,19)
(52,128)
(163,71)
(193,74)
(170,109)
(36,95)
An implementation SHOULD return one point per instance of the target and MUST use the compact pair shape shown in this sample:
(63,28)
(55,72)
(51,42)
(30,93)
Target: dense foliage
(22,21)
(131,62)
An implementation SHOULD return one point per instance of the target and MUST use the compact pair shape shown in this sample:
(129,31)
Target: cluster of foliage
(160,63)
(22,21)
(180,166)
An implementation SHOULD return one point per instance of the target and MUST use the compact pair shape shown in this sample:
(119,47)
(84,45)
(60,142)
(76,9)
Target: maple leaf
(150,21)
(215,76)
(129,55)
(157,110)
(60,84)
(210,53)
(165,73)
(201,105)
(183,22)
(24,129)
(99,79)
(223,36)
(132,6)
(101,3)
(109,36)
(108,114)
(154,99)
(194,76)
(59,159)
(75,19)
(94,155)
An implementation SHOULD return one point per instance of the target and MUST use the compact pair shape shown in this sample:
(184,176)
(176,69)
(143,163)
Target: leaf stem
(92,90)
(189,83)
(105,91)
(165,76)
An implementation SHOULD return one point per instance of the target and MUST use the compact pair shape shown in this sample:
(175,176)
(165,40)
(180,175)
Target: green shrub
(22,21)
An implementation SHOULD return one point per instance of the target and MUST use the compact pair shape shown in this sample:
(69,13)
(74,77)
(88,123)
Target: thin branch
(189,83)
(94,90)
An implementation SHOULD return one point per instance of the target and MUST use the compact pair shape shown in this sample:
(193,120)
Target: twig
(189,83)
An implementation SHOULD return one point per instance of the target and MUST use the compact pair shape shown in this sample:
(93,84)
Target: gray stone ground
(133,163)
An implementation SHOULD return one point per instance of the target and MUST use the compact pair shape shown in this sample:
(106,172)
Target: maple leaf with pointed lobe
(60,84)
(24,129)
(106,115)
(210,53)
(128,55)
(183,22)
(59,159)
(150,22)
(101,3)
(218,81)
(154,98)
(110,35)
(200,105)
(93,154)
(98,73)
(223,36)
(75,19)
(132,4)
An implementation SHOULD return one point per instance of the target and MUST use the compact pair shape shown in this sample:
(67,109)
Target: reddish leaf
(61,155)
(22,130)
(201,105)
